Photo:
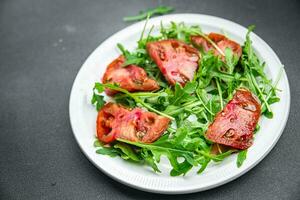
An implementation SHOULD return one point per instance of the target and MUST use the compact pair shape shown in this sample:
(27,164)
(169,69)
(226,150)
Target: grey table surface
(44,43)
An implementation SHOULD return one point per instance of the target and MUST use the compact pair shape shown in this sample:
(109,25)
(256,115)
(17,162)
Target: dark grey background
(42,46)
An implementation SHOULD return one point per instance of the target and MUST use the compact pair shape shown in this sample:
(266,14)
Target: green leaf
(171,153)
(98,99)
(183,168)
(160,10)
(179,31)
(137,99)
(203,165)
(268,114)
(242,155)
(148,157)
(128,151)
(97,143)
(99,87)
(109,151)
(182,95)
(231,60)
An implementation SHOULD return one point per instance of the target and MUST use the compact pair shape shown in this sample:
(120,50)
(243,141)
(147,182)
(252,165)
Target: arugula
(257,80)
(97,99)
(179,31)
(100,86)
(242,155)
(160,10)
(183,150)
(192,107)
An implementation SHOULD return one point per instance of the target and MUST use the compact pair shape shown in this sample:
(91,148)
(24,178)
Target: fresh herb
(160,10)
(184,151)
(179,31)
(97,99)
(242,155)
(137,99)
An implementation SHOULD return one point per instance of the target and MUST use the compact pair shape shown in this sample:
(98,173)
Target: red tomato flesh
(132,77)
(220,40)
(234,125)
(137,125)
(176,60)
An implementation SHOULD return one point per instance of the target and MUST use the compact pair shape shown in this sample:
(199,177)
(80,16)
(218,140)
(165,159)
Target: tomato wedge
(137,125)
(176,60)
(105,121)
(234,125)
(132,77)
(221,41)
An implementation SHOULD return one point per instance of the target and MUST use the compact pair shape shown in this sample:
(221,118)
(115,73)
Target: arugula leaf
(182,95)
(97,99)
(119,149)
(160,10)
(165,149)
(132,95)
(179,31)
(148,157)
(109,151)
(128,152)
(97,143)
(204,164)
(231,60)
(241,157)
(129,57)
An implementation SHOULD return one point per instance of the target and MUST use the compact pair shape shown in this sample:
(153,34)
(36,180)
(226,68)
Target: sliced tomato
(220,40)
(115,121)
(176,60)
(132,77)
(106,121)
(234,125)
(148,126)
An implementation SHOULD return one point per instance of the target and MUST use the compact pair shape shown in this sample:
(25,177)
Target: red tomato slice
(115,121)
(176,60)
(132,77)
(234,125)
(148,126)
(106,121)
(221,41)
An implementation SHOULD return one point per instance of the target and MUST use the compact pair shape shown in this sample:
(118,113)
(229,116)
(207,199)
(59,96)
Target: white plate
(83,114)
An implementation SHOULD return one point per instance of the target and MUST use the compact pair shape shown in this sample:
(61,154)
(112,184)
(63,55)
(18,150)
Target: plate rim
(193,190)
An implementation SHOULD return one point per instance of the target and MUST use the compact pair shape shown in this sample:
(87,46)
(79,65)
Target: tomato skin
(220,40)
(137,125)
(132,77)
(234,125)
(176,60)
(105,121)
(151,126)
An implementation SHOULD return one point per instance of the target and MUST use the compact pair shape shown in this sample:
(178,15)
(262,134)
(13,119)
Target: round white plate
(83,114)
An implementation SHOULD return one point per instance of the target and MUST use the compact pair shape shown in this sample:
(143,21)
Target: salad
(190,96)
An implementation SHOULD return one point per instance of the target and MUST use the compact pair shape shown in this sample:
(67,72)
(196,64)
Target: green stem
(206,108)
(144,28)
(189,105)
(143,94)
(274,87)
(260,92)
(212,43)
(220,93)
(136,99)
(151,146)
